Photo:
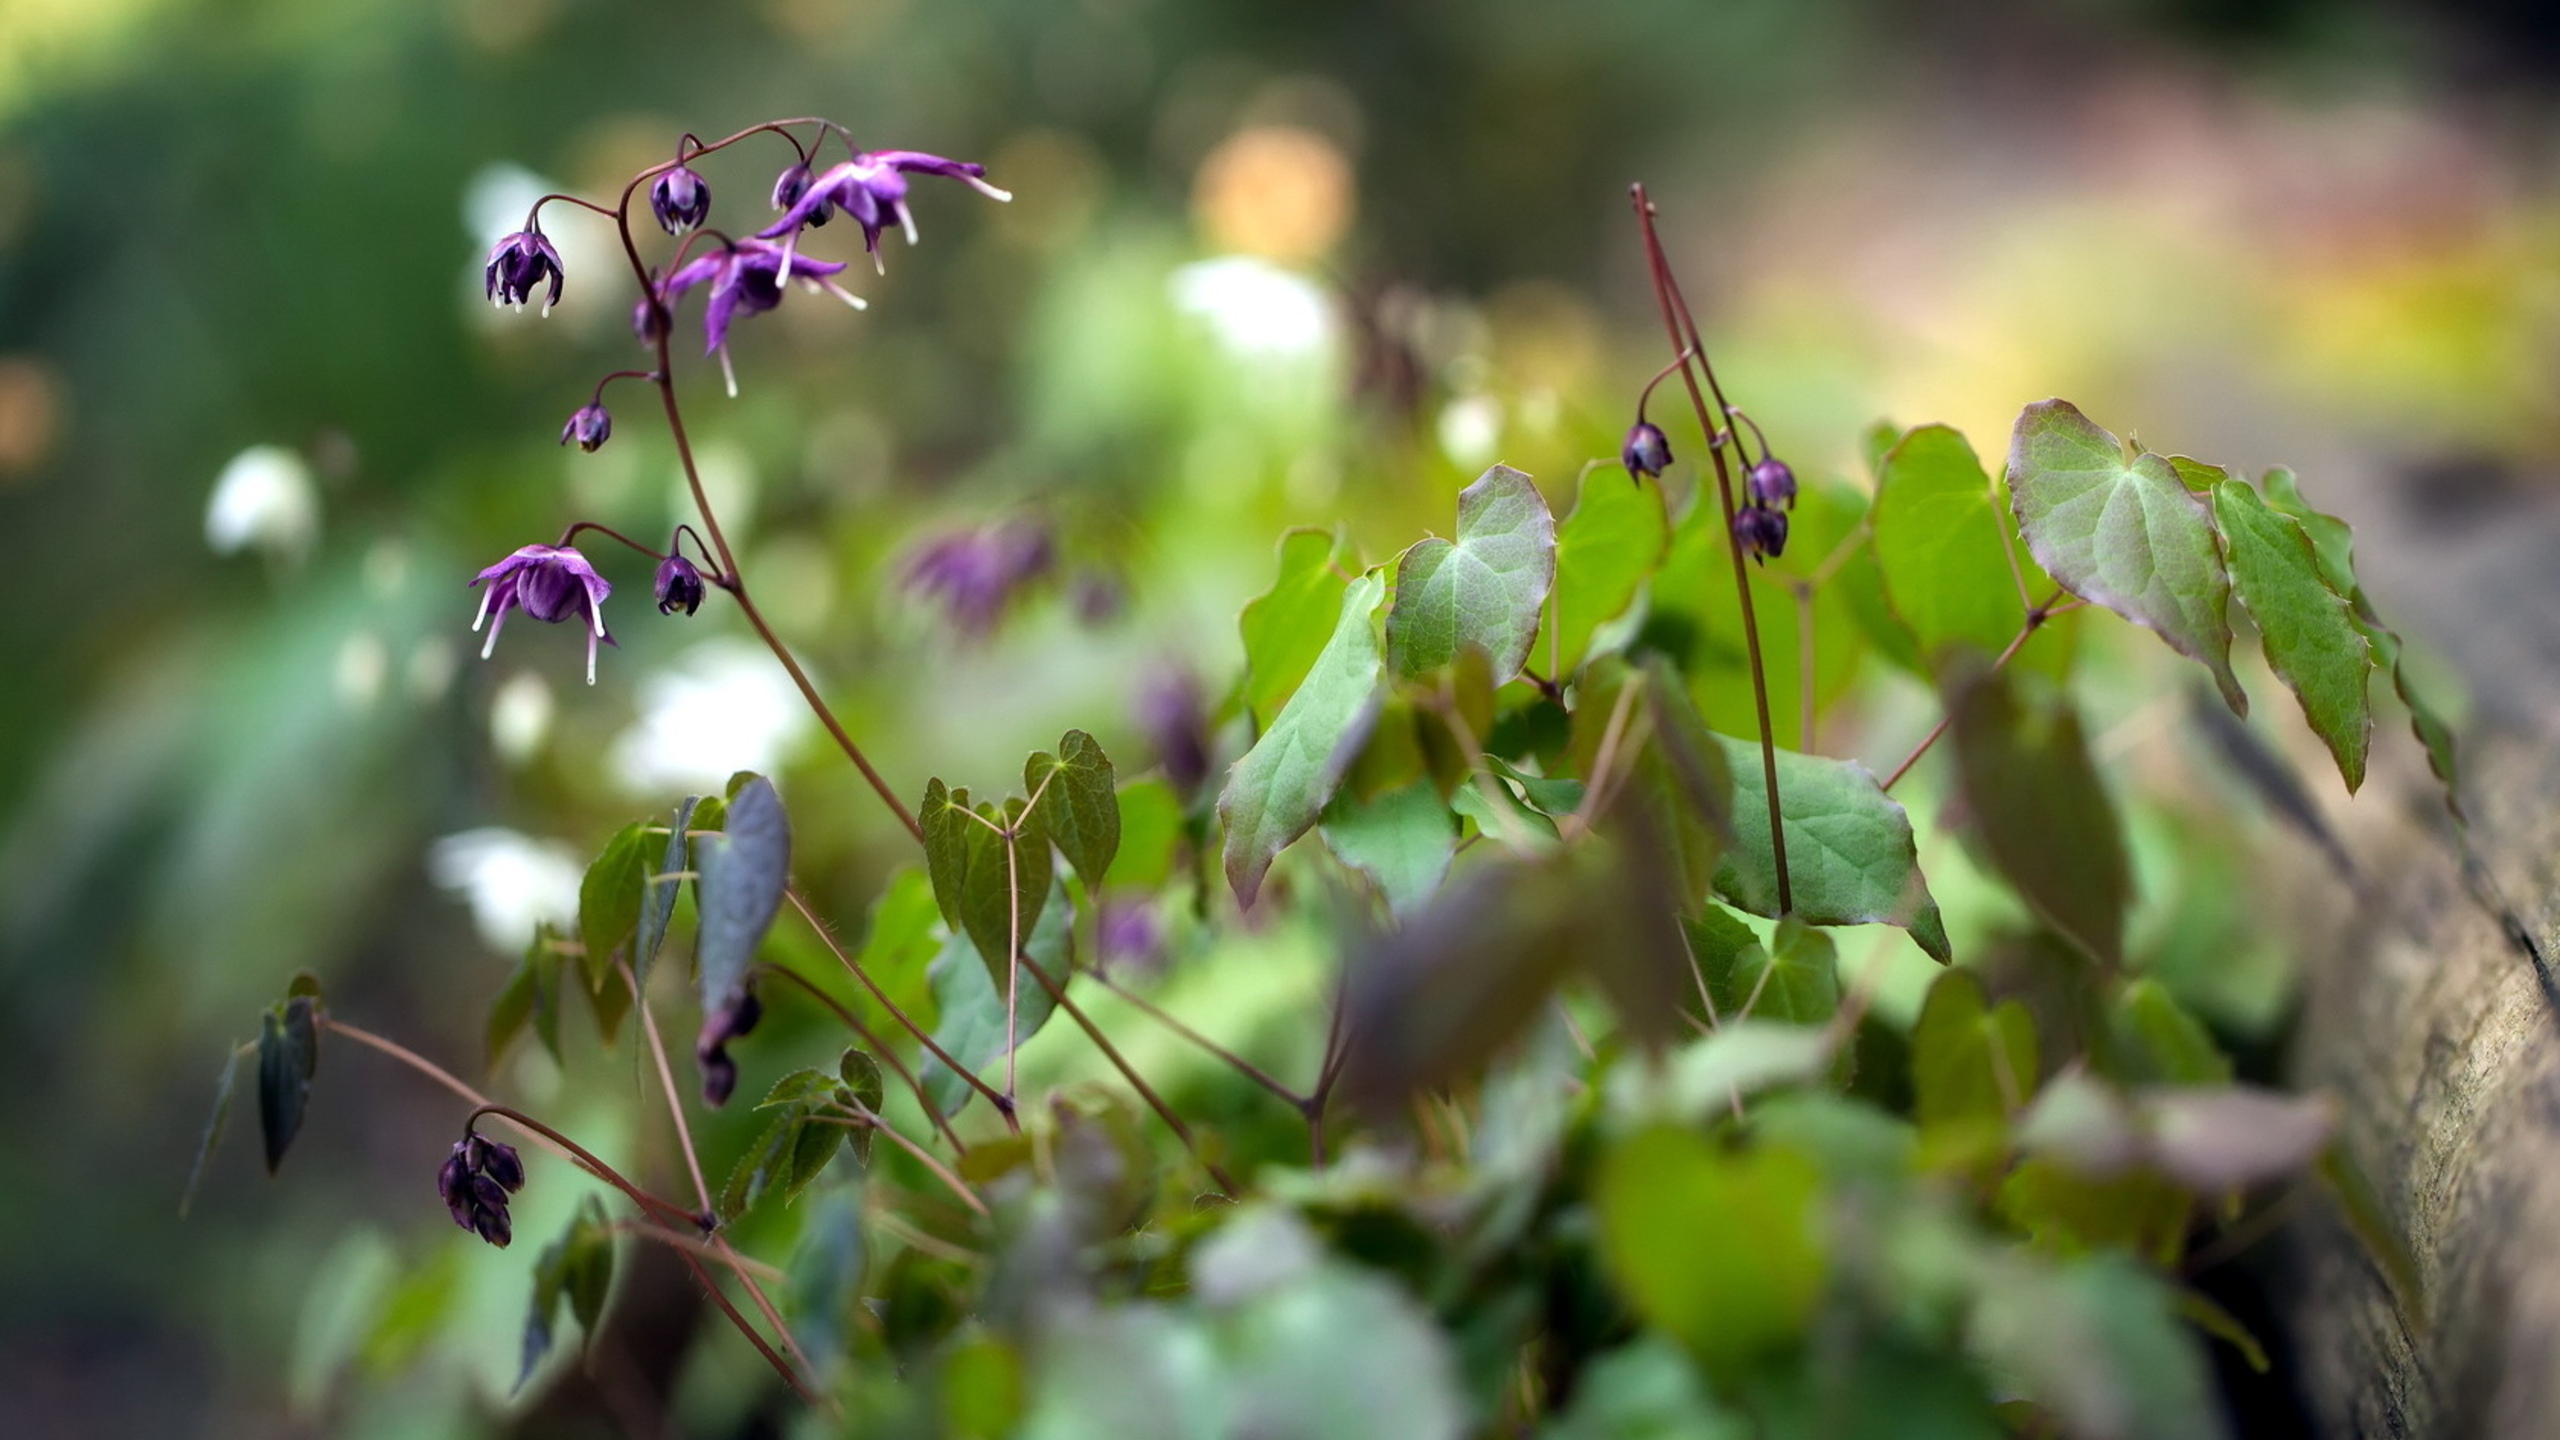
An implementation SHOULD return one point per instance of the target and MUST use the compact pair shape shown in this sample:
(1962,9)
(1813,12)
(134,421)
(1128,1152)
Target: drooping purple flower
(681,199)
(590,425)
(1760,531)
(746,277)
(474,1182)
(872,188)
(679,586)
(551,583)
(789,186)
(975,573)
(519,263)
(1170,713)
(1646,451)
(1772,483)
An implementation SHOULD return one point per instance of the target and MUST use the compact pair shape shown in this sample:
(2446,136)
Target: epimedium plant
(1595,1132)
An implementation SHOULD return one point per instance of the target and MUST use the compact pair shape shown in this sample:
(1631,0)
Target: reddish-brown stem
(1238,1063)
(871,1120)
(1675,312)
(607,531)
(1003,1106)
(1146,1092)
(2036,619)
(932,1112)
(780,1366)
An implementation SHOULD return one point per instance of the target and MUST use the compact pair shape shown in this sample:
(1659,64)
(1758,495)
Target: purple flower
(551,583)
(872,188)
(789,186)
(747,277)
(974,573)
(679,586)
(1646,451)
(1177,727)
(519,263)
(1760,532)
(474,1182)
(680,200)
(590,425)
(1772,483)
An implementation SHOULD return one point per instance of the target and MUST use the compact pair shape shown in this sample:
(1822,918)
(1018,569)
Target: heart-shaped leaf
(1484,590)
(1281,785)
(1079,801)
(1850,854)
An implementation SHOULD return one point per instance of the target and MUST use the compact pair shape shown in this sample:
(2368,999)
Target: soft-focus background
(1269,264)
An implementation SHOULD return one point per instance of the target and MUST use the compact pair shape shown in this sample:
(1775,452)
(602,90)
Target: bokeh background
(1270,264)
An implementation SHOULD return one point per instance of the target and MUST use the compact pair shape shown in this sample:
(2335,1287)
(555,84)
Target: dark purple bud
(504,1166)
(1772,483)
(649,317)
(1647,450)
(521,263)
(1760,532)
(474,1151)
(551,583)
(679,586)
(453,1186)
(680,200)
(789,186)
(493,1226)
(590,425)
(744,1012)
(719,1076)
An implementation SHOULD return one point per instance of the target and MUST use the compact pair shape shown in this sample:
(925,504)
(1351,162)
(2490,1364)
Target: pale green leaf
(2307,629)
(1287,626)
(1943,547)
(1484,590)
(1401,840)
(1281,785)
(1615,538)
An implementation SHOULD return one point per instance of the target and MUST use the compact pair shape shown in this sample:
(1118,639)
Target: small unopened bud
(1646,451)
(1772,483)
(504,1166)
(679,586)
(453,1186)
(1760,532)
(719,1076)
(649,320)
(680,199)
(789,186)
(590,425)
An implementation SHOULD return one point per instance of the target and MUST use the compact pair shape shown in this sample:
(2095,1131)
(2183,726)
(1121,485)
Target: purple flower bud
(976,573)
(590,425)
(649,316)
(493,1226)
(453,1186)
(680,199)
(1760,532)
(1647,450)
(789,186)
(551,583)
(518,264)
(719,1076)
(504,1166)
(679,586)
(1772,483)
(1176,727)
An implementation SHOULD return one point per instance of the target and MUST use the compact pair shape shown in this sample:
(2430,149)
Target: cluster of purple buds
(1647,450)
(680,586)
(711,1049)
(551,583)
(1772,483)
(518,265)
(1760,526)
(680,199)
(975,573)
(590,425)
(475,1182)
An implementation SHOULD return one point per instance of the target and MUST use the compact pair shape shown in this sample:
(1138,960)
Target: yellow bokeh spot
(1277,191)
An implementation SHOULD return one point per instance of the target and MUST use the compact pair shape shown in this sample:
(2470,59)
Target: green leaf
(1080,806)
(2042,812)
(1741,1058)
(609,900)
(1715,1248)
(2128,536)
(214,1124)
(990,868)
(578,1268)
(531,997)
(2307,629)
(658,904)
(1615,538)
(288,1056)
(861,1075)
(1281,785)
(1644,1390)
(1942,546)
(2334,544)
(2098,1342)
(2162,1043)
(1849,847)
(1402,841)
(790,1153)
(970,998)
(826,1274)
(1795,978)
(1971,1064)
(1482,592)
(744,871)
(1288,626)
(1150,832)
